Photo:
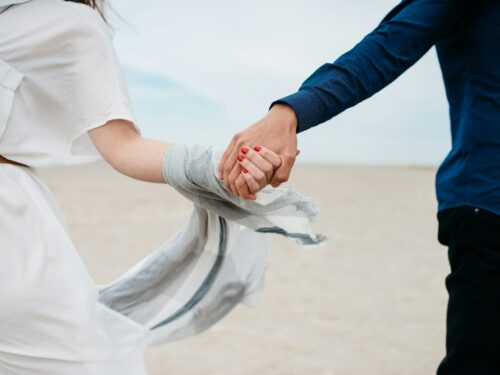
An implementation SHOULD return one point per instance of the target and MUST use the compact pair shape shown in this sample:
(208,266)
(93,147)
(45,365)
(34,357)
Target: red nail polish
(245,170)
(245,150)
(240,158)
(258,148)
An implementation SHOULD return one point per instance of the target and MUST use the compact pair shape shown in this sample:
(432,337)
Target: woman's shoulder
(86,19)
(39,22)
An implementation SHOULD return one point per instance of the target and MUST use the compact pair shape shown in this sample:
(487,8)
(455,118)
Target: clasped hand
(262,154)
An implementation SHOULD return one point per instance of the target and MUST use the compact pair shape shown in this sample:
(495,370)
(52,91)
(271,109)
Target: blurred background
(370,301)
(199,71)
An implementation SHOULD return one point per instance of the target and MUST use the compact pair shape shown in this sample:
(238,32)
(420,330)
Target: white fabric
(5,3)
(72,82)
(50,322)
(59,77)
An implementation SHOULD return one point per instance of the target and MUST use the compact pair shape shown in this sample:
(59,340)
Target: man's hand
(276,131)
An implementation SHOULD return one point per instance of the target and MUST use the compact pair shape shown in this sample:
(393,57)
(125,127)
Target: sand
(370,301)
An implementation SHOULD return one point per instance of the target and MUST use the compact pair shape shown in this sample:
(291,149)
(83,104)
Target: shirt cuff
(306,107)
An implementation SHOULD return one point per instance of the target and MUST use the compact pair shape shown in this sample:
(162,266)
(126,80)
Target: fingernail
(245,150)
(245,170)
(240,158)
(258,148)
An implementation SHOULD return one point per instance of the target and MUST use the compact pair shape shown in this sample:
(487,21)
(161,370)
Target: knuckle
(227,168)
(238,139)
(268,169)
(281,177)
(261,182)
(240,183)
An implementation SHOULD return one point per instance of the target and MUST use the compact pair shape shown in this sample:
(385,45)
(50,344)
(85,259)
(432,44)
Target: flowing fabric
(217,260)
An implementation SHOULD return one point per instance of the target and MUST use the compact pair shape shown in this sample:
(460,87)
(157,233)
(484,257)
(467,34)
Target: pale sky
(198,71)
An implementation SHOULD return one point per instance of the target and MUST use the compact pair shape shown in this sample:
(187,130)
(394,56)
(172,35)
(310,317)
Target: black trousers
(473,317)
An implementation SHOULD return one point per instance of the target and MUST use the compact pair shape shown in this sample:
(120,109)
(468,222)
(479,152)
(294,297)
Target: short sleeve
(9,81)
(97,81)
(72,83)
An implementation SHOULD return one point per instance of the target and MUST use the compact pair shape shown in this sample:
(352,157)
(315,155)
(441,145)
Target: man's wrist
(287,115)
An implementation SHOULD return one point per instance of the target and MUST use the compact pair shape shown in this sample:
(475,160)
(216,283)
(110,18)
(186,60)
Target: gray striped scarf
(217,260)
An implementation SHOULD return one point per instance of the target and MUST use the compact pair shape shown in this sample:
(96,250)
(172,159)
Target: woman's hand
(258,166)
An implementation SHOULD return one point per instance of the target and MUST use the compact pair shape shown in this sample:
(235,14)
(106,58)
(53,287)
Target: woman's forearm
(142,159)
(128,152)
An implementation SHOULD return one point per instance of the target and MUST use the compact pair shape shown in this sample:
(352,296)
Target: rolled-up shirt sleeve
(404,35)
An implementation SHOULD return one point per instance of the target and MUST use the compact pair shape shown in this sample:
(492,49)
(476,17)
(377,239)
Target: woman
(63,101)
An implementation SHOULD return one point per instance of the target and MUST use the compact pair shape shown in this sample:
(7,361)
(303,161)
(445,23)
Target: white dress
(59,77)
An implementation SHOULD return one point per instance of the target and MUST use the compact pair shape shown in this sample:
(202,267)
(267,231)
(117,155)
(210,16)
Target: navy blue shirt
(466,34)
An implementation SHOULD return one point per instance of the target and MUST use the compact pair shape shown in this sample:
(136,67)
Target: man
(466,34)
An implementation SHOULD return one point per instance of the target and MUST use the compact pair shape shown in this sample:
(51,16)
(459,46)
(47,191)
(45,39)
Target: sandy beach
(370,301)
